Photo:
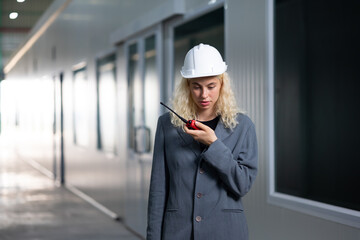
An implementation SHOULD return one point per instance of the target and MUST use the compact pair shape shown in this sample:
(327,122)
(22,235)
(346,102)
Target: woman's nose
(204,93)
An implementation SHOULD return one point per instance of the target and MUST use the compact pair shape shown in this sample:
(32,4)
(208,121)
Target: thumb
(200,125)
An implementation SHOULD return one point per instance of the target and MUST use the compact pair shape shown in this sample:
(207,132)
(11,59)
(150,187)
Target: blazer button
(198,219)
(199,195)
(201,170)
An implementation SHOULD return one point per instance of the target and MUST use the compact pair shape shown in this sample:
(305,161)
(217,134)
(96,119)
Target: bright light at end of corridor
(20,1)
(28,105)
(13,15)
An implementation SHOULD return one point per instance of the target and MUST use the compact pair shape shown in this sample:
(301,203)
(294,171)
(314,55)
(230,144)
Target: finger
(190,131)
(186,129)
(201,125)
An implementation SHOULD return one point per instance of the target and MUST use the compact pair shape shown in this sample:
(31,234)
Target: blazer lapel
(221,131)
(189,141)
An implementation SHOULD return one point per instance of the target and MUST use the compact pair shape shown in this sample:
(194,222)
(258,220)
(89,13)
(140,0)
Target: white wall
(82,33)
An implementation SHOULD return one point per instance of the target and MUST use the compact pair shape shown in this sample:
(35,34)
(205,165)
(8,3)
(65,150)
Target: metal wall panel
(80,34)
(246,27)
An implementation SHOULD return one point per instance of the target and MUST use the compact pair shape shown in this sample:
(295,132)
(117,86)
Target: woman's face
(205,92)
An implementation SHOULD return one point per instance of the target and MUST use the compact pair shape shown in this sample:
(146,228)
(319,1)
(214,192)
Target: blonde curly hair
(225,107)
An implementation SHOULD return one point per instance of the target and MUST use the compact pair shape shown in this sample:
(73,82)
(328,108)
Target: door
(143,68)
(143,57)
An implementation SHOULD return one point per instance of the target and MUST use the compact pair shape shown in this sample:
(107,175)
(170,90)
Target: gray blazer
(197,194)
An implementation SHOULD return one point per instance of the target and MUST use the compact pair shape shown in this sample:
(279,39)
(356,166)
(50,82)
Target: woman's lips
(204,103)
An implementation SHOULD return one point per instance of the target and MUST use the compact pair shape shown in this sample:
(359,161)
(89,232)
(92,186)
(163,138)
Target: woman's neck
(206,115)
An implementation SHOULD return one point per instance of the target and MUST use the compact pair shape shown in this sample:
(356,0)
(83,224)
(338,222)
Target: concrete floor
(32,207)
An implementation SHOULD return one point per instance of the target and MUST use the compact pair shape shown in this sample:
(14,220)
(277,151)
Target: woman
(199,176)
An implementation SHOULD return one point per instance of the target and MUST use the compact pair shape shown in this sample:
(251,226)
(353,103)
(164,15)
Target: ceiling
(14,32)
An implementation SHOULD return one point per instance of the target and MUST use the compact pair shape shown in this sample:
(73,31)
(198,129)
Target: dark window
(80,107)
(316,100)
(106,104)
(134,93)
(207,29)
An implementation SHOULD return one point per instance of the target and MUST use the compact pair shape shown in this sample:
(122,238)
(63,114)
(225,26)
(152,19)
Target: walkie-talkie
(189,123)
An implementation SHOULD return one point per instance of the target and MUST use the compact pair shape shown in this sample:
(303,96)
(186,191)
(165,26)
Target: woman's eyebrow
(196,83)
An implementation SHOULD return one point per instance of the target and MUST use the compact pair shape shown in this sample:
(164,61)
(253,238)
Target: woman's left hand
(204,135)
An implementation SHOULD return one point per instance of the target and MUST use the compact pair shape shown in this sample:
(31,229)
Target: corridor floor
(33,208)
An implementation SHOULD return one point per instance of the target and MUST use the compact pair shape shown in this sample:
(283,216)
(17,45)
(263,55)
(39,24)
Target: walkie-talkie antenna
(182,119)
(191,124)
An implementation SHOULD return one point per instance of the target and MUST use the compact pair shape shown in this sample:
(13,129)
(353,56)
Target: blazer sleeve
(158,187)
(236,172)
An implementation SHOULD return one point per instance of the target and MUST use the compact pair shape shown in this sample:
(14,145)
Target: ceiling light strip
(30,42)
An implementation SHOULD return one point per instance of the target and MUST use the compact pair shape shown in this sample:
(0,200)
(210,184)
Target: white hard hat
(202,61)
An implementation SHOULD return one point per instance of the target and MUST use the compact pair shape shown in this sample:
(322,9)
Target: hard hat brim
(190,74)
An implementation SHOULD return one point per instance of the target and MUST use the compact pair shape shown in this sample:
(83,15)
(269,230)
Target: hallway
(32,207)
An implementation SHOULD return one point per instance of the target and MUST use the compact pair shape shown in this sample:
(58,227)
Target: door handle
(142,139)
